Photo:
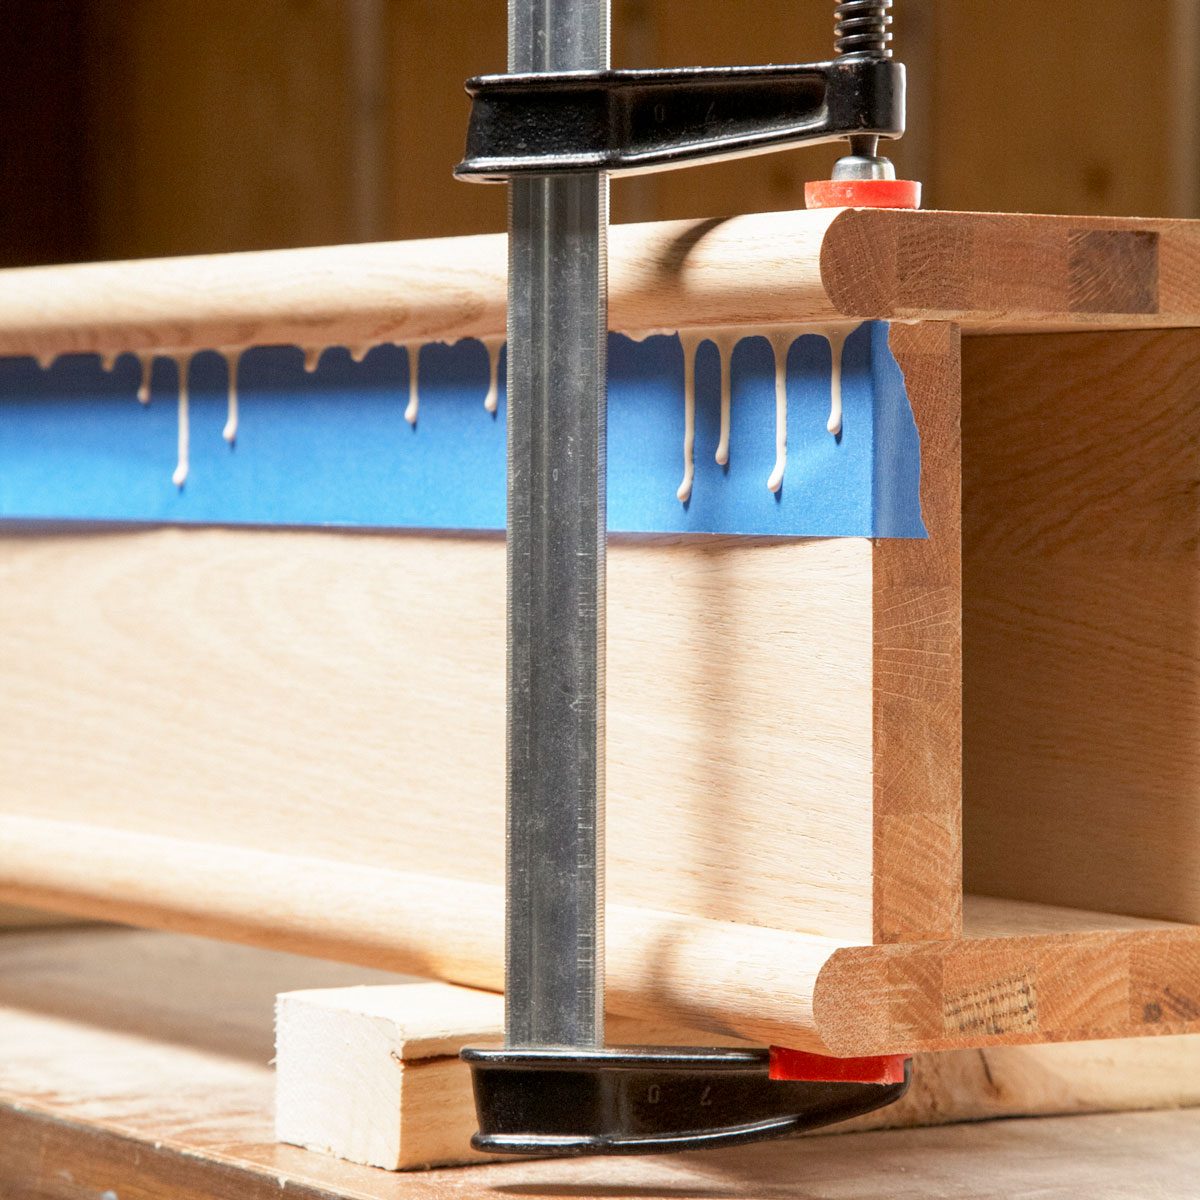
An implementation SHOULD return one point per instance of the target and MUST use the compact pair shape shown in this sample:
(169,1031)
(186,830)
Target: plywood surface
(135,1063)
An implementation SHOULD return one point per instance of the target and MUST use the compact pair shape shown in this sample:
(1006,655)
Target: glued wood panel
(340,696)
(1082,620)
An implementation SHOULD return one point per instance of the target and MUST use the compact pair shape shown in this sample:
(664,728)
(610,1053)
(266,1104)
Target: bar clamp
(553,136)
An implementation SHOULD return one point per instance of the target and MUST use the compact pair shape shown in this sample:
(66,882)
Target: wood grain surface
(137,1064)
(986,271)
(340,696)
(1082,661)
(917,667)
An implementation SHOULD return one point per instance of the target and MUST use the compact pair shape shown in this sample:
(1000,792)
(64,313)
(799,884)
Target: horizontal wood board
(341,697)
(987,271)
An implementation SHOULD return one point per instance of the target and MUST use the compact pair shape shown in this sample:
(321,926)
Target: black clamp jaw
(624,122)
(650,1100)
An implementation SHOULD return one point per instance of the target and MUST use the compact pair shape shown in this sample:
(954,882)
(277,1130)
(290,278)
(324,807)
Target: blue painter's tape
(333,448)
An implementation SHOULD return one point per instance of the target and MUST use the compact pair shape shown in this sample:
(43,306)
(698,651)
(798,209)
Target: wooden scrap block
(372,1074)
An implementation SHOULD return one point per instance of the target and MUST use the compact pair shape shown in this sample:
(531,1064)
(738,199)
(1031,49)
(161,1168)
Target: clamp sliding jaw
(624,122)
(555,128)
(651,1100)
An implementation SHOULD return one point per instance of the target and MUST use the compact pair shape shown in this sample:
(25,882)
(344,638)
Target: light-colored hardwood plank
(732,978)
(1082,530)
(683,272)
(917,666)
(340,697)
(1010,987)
(986,271)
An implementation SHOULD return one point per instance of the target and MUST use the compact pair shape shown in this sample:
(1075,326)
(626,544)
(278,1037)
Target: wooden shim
(372,1074)
(1082,539)
(986,271)
(917,669)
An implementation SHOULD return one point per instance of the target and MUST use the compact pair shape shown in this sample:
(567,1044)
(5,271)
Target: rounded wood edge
(858,263)
(741,980)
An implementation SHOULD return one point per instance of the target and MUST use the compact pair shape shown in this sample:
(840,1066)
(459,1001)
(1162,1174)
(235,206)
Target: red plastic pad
(796,1065)
(863,193)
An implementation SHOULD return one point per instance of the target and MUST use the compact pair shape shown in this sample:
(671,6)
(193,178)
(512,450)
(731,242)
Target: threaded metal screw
(863,28)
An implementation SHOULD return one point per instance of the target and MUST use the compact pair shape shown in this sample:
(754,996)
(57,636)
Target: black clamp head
(650,1100)
(623,122)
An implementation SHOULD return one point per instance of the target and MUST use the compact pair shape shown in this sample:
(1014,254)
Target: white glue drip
(781,343)
(312,358)
(179,478)
(46,361)
(414,396)
(108,362)
(690,340)
(143,392)
(837,345)
(358,353)
(725,340)
(491,401)
(233,360)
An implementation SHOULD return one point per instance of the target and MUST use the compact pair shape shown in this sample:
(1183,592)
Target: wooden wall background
(147,127)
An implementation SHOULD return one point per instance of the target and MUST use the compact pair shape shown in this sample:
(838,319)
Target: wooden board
(1082,531)
(138,1064)
(986,271)
(917,670)
(340,697)
(1065,976)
